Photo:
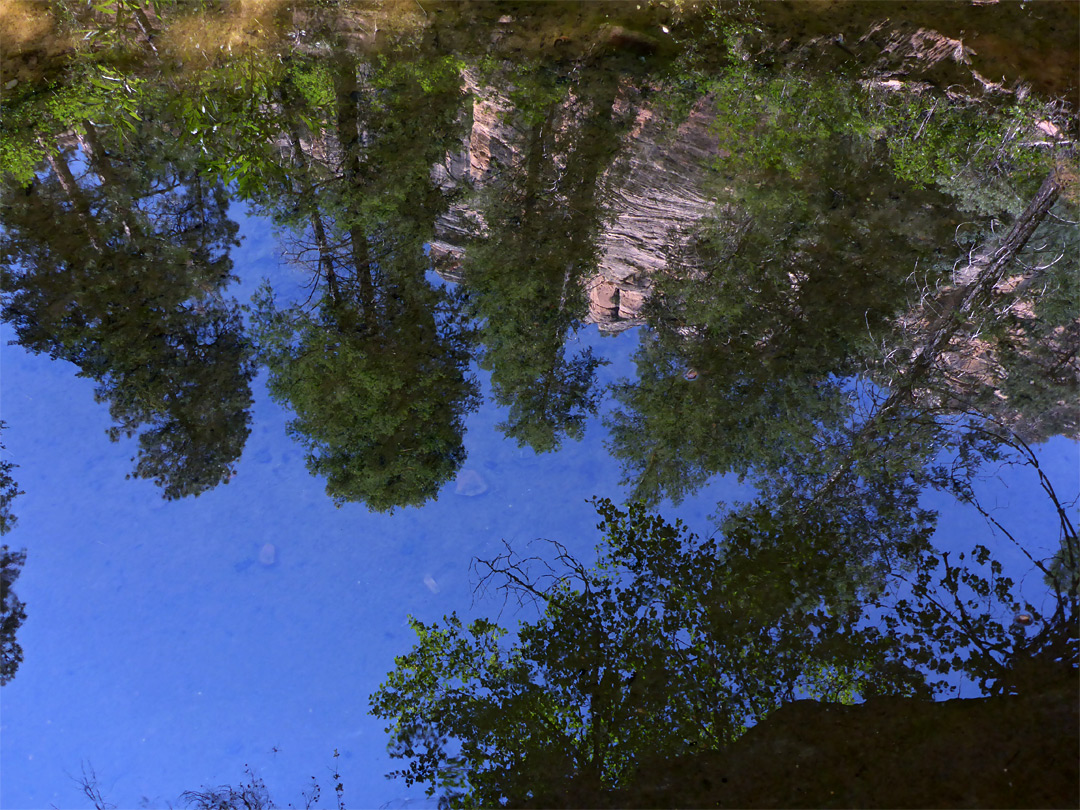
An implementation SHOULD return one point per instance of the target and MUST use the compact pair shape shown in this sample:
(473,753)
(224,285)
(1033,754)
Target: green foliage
(547,403)
(933,139)
(972,149)
(376,370)
(91,93)
(670,644)
(525,270)
(12,613)
(673,434)
(433,75)
(773,110)
(230,113)
(412,109)
(946,622)
(19,156)
(119,23)
(9,490)
(775,122)
(535,91)
(524,287)
(534,86)
(313,82)
(1025,338)
(99,92)
(730,31)
(455,683)
(379,408)
(165,348)
(753,303)
(1063,570)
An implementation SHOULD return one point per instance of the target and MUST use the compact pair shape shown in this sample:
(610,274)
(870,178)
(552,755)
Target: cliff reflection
(761,217)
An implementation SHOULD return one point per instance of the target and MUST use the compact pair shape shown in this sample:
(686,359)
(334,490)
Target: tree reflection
(9,488)
(757,308)
(12,613)
(526,269)
(12,609)
(805,274)
(672,645)
(376,369)
(116,264)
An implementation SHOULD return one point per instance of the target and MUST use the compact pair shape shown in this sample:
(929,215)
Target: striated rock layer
(653,197)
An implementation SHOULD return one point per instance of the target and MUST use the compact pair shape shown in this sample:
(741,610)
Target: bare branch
(88,781)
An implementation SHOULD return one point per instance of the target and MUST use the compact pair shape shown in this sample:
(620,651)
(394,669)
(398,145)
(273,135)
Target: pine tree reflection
(526,270)
(375,368)
(114,260)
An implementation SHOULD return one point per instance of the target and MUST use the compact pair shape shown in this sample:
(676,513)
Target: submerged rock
(470,484)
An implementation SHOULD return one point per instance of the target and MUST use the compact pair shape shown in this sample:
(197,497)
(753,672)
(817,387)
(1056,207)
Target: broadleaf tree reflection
(672,645)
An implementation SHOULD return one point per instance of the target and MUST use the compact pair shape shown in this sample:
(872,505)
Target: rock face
(653,197)
(652,212)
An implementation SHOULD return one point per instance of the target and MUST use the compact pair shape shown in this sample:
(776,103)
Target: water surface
(724,355)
